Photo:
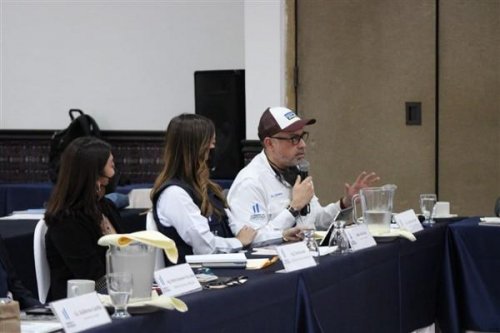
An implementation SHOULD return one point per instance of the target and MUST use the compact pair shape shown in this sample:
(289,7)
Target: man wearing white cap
(269,192)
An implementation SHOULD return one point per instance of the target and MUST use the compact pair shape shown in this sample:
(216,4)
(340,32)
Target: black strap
(75,110)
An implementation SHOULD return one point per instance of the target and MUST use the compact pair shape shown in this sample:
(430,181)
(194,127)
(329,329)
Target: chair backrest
(139,198)
(41,264)
(151,225)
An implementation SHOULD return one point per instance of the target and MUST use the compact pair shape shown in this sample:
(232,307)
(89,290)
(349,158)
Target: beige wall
(469,115)
(360,61)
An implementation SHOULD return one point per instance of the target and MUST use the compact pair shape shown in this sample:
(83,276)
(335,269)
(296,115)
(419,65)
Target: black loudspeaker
(220,96)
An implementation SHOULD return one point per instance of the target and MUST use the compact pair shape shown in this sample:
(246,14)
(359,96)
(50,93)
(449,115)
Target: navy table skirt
(470,297)
(388,288)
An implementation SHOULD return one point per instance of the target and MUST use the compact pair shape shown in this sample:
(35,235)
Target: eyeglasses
(294,139)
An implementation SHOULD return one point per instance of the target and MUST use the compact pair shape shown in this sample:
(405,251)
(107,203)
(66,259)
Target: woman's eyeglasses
(294,139)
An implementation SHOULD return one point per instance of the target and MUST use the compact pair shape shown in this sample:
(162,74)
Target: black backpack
(82,125)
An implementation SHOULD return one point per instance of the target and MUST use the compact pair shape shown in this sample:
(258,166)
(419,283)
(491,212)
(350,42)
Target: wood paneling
(359,62)
(469,115)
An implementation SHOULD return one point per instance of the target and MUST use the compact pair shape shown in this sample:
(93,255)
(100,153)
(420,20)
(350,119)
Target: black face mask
(112,182)
(212,160)
(290,175)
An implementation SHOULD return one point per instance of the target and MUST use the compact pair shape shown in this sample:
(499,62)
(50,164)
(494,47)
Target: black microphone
(303,169)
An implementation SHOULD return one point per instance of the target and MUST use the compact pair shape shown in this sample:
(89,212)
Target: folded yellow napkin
(149,237)
(165,302)
(319,234)
(261,263)
(406,234)
(397,233)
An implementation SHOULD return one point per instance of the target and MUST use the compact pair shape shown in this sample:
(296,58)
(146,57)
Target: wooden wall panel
(359,62)
(469,105)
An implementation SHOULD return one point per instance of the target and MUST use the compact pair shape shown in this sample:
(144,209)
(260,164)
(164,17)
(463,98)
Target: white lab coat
(177,209)
(260,198)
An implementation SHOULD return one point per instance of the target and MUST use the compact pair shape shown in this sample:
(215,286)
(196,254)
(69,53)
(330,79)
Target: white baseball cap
(280,119)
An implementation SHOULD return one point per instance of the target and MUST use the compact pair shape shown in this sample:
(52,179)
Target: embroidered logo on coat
(257,215)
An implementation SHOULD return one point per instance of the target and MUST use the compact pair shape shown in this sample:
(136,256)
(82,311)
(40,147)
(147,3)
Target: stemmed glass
(338,238)
(427,202)
(311,243)
(119,290)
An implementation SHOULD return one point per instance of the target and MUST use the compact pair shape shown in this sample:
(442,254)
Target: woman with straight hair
(190,208)
(78,214)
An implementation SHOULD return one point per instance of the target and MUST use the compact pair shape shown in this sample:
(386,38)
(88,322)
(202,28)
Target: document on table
(268,251)
(265,251)
(490,221)
(23,216)
(37,326)
(218,260)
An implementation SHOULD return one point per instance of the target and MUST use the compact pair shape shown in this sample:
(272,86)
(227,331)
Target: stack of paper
(29,214)
(37,326)
(265,251)
(218,260)
(490,221)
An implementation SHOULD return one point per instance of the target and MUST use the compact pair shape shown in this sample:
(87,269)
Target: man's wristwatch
(292,211)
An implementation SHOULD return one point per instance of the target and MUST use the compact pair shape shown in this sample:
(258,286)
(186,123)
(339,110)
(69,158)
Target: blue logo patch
(290,115)
(65,314)
(256,208)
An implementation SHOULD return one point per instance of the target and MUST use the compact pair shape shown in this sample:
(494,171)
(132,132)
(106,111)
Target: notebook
(218,260)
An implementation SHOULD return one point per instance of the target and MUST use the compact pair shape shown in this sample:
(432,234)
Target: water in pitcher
(378,221)
(138,260)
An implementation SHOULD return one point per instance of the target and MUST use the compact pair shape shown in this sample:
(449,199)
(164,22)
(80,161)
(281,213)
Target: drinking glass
(338,238)
(119,290)
(311,243)
(427,202)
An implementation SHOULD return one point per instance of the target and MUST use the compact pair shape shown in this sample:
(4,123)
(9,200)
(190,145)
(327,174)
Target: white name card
(295,256)
(359,237)
(80,313)
(408,220)
(177,280)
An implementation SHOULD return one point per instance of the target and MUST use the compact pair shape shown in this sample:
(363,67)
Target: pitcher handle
(354,210)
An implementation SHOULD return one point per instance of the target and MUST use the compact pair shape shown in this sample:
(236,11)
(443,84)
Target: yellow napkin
(261,263)
(397,233)
(149,237)
(319,234)
(169,303)
(406,234)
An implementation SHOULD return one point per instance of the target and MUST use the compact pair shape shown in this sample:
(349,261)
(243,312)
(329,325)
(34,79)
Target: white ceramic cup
(442,208)
(80,287)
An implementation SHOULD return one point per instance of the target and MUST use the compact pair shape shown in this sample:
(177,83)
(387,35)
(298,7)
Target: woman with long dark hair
(78,214)
(189,207)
